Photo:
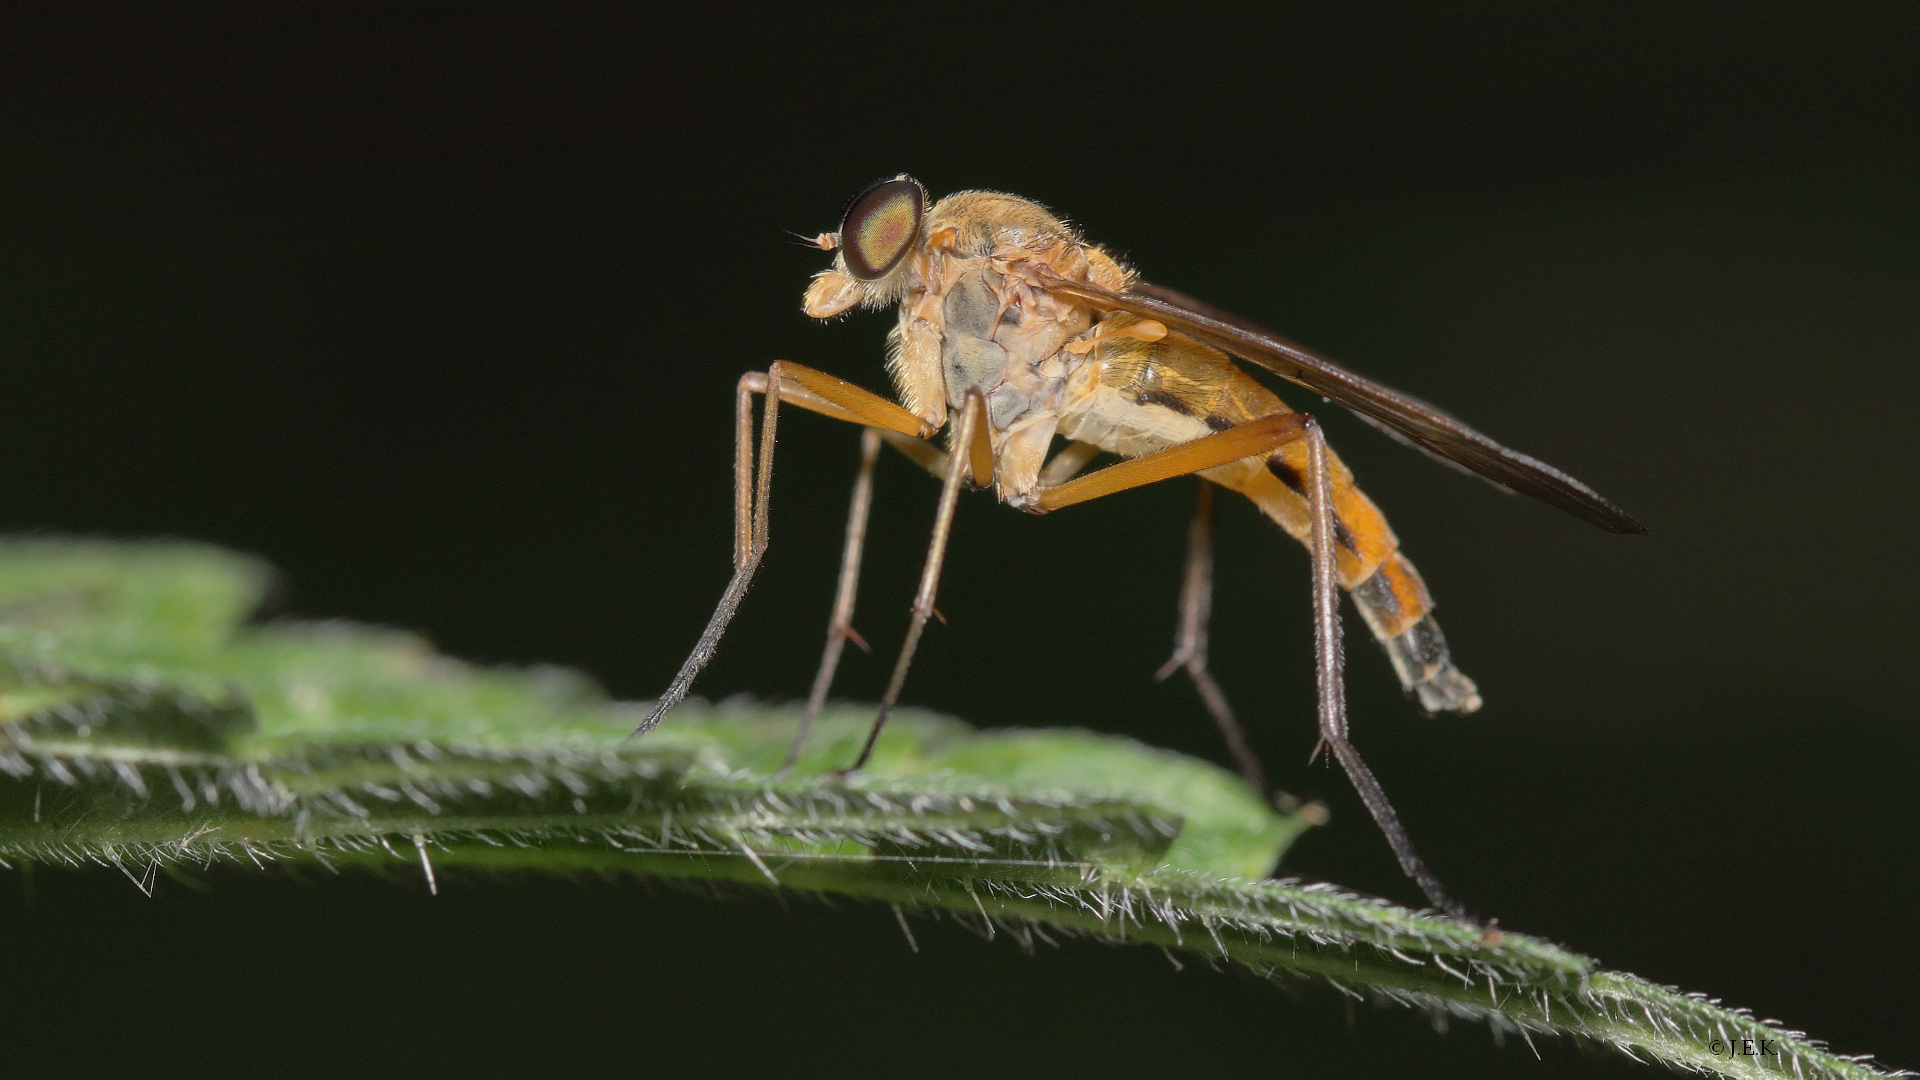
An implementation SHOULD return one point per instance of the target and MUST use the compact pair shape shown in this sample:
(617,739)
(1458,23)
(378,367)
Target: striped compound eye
(880,227)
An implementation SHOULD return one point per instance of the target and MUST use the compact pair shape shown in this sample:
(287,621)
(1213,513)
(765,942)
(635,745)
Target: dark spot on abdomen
(1288,475)
(1376,595)
(1219,423)
(1344,536)
(1164,400)
(1296,483)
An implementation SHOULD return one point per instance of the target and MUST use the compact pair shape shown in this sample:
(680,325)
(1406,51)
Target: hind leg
(1330,675)
(1190,649)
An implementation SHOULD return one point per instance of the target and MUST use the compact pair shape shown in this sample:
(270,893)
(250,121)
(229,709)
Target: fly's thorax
(998,335)
(969,355)
(988,224)
(1002,337)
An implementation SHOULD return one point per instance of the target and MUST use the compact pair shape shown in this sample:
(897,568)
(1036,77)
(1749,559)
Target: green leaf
(143,724)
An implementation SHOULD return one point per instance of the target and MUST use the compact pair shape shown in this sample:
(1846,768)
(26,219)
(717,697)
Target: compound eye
(880,227)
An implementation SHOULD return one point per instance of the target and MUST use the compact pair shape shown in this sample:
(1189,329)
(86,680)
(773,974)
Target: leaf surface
(144,723)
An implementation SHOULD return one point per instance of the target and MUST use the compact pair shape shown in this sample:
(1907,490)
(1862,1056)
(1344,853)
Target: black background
(440,309)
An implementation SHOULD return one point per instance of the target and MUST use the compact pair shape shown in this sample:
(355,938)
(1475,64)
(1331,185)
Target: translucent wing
(1403,416)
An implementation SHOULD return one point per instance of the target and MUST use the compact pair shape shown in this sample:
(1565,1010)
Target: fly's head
(878,235)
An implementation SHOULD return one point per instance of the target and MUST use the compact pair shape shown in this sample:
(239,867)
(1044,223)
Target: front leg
(752,490)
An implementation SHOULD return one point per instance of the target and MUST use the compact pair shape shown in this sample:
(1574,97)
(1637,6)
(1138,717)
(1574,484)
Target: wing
(1400,415)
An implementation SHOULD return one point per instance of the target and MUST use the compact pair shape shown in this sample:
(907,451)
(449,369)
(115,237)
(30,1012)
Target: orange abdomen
(1134,397)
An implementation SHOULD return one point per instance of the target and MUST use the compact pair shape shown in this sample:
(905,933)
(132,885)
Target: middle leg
(971,456)
(1190,638)
(840,626)
(961,462)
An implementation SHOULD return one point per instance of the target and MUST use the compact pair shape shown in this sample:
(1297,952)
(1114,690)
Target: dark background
(440,310)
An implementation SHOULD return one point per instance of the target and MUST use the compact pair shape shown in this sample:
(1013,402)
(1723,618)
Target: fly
(1013,333)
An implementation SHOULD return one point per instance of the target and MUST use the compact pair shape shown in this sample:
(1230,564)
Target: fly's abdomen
(1138,397)
(1415,645)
